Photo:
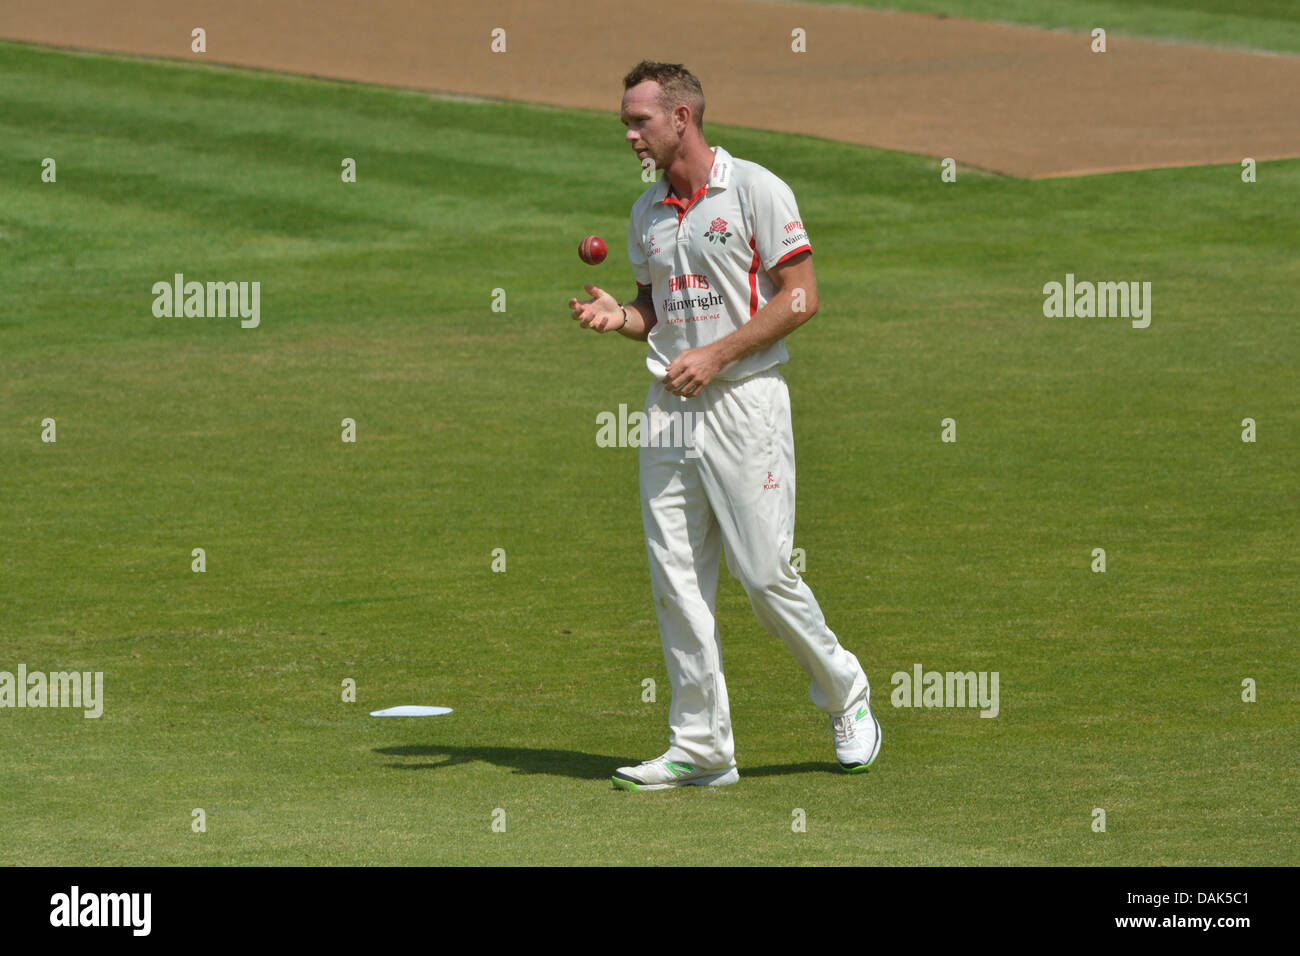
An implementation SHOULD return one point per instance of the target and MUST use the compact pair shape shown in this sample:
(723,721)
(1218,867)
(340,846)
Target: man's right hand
(600,313)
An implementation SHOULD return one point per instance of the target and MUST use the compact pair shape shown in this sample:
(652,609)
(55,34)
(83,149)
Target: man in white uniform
(724,272)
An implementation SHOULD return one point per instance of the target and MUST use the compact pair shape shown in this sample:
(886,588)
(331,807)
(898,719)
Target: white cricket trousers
(733,488)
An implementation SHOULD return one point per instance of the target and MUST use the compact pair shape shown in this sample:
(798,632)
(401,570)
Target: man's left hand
(691,371)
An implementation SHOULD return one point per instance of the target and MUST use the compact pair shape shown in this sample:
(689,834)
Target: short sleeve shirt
(706,260)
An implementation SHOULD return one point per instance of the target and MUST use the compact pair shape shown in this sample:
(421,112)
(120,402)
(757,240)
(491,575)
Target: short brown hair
(678,86)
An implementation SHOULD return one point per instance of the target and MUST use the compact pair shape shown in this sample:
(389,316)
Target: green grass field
(1254,24)
(476,430)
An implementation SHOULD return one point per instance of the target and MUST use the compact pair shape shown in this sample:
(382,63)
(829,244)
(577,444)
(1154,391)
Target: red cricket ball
(592,250)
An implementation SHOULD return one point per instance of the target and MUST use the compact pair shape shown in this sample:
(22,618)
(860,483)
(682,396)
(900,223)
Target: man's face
(650,128)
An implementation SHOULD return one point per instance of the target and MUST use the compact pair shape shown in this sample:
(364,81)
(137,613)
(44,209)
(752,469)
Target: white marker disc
(411,710)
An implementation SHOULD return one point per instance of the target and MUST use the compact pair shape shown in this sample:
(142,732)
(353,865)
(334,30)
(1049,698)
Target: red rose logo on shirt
(718,231)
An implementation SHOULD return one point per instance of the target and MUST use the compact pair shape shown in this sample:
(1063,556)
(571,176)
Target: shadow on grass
(557,763)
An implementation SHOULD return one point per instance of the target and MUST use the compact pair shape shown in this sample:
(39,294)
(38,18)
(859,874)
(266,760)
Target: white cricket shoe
(662,774)
(857,736)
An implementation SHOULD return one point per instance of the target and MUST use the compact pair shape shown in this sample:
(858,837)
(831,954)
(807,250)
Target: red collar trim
(671,200)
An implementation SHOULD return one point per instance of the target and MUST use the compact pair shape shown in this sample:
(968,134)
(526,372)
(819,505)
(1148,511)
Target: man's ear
(682,118)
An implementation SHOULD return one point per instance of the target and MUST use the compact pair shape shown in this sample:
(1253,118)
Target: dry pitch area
(1013,99)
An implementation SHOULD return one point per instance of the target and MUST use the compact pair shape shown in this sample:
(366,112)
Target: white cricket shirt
(706,259)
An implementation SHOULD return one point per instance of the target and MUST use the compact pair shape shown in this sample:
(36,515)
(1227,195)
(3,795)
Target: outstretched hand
(600,313)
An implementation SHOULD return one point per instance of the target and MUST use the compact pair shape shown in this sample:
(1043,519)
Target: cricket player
(724,273)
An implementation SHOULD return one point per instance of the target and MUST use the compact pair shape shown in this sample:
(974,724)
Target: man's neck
(691,171)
